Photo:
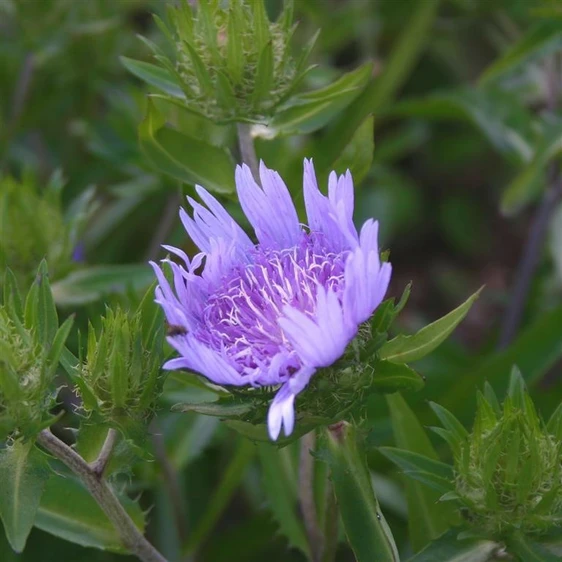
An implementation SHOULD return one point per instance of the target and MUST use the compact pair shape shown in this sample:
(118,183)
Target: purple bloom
(274,312)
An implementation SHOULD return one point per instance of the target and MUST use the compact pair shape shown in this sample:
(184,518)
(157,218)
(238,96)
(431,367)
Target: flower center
(240,318)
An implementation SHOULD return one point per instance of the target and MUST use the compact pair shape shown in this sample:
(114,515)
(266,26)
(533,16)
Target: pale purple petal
(322,340)
(366,281)
(270,210)
(329,215)
(281,413)
(203,360)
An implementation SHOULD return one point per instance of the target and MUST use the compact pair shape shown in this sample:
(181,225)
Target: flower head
(275,312)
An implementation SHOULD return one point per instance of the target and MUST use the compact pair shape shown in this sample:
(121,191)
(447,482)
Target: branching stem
(131,537)
(100,464)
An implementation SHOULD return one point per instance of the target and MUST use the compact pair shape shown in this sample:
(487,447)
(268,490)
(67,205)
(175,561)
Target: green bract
(31,343)
(121,376)
(231,63)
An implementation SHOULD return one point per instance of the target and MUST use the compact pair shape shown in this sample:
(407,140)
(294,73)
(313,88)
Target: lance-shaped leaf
(183,157)
(365,526)
(68,511)
(280,485)
(435,474)
(309,112)
(154,75)
(403,349)
(448,548)
(24,471)
(40,311)
(357,156)
(531,181)
(92,283)
(393,377)
(542,39)
(528,550)
(427,518)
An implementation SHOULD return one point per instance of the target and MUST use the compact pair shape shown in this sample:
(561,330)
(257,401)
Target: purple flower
(274,312)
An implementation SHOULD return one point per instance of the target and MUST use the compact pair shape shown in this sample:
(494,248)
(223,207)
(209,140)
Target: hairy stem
(306,497)
(131,537)
(247,149)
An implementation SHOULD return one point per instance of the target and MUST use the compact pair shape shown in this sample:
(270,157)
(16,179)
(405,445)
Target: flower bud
(231,63)
(31,343)
(508,472)
(120,378)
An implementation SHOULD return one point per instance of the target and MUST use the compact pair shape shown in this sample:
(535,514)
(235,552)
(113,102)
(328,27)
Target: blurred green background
(463,112)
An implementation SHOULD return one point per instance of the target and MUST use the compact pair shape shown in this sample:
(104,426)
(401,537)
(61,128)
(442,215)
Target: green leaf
(506,124)
(392,377)
(68,511)
(309,112)
(280,486)
(534,352)
(358,154)
(47,319)
(450,422)
(435,474)
(365,526)
(403,349)
(529,551)
(59,340)
(187,437)
(532,180)
(11,295)
(403,57)
(234,45)
(183,157)
(225,408)
(427,518)
(24,471)
(447,548)
(154,75)
(92,283)
(264,74)
(539,41)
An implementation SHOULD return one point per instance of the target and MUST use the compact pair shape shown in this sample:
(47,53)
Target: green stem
(306,497)
(330,526)
(247,149)
(131,537)
(365,526)
(100,464)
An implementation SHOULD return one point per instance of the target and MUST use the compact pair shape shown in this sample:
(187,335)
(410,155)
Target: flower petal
(319,342)
(366,280)
(330,215)
(270,210)
(200,358)
(212,223)
(281,413)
